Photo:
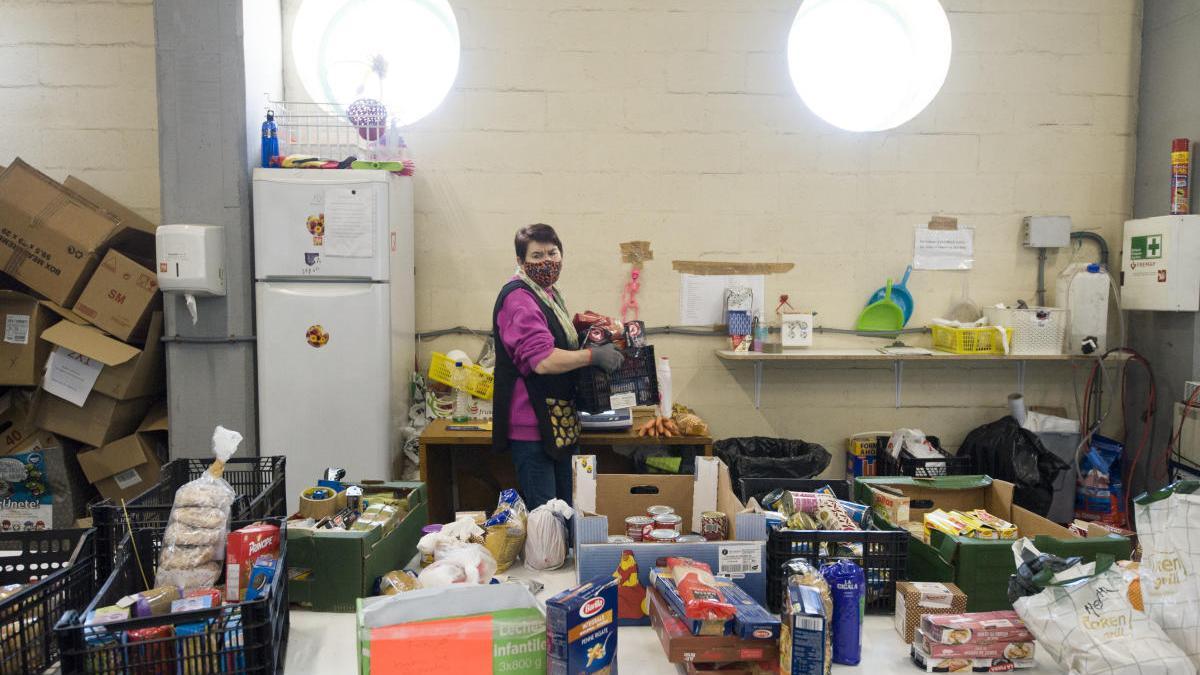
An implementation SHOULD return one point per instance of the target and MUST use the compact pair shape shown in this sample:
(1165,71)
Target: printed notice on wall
(702,296)
(70,375)
(350,222)
(737,560)
(944,249)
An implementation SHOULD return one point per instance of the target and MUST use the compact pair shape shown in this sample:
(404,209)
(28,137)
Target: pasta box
(682,646)
(581,629)
(752,621)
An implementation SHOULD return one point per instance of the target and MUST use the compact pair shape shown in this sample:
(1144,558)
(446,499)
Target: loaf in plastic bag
(467,564)
(1084,620)
(546,535)
(506,529)
(194,542)
(1168,522)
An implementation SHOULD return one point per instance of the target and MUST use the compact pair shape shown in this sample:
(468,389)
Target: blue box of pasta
(581,629)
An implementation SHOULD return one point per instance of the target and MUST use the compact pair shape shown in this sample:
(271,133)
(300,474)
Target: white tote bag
(1168,523)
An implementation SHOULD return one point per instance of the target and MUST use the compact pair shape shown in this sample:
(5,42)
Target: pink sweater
(527,339)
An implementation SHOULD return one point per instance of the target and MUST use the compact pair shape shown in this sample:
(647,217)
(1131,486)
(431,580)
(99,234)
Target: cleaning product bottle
(761,332)
(270,140)
(1083,289)
(1181,164)
(462,400)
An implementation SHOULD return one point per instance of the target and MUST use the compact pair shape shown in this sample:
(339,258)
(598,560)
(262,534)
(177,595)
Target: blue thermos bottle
(270,139)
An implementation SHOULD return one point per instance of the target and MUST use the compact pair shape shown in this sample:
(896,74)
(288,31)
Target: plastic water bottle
(462,400)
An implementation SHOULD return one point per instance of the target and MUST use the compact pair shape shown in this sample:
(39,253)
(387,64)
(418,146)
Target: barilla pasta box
(581,629)
(242,549)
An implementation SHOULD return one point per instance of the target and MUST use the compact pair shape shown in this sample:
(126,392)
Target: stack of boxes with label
(81,355)
(981,642)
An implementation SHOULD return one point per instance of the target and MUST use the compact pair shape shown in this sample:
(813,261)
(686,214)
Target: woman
(533,409)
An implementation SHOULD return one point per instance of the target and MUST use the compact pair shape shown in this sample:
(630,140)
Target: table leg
(437,476)
(708,450)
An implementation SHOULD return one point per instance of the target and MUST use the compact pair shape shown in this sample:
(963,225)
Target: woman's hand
(607,357)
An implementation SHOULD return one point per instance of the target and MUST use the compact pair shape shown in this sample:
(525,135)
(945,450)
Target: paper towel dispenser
(191,259)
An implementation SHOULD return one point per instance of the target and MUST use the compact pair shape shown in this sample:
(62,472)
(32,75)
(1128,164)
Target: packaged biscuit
(196,648)
(155,655)
(244,547)
(915,599)
(958,664)
(581,629)
(960,629)
(1013,651)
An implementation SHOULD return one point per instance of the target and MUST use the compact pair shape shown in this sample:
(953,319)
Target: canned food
(659,511)
(690,539)
(669,521)
(714,525)
(619,539)
(663,536)
(638,528)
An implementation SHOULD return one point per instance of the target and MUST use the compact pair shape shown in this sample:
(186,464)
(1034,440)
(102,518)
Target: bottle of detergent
(1083,289)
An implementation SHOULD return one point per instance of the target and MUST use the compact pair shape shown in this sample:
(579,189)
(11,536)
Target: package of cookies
(194,542)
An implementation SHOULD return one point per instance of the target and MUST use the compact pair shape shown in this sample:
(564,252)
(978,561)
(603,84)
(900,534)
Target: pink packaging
(976,627)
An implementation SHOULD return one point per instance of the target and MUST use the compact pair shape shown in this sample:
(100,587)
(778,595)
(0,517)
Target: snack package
(1084,620)
(378,514)
(242,549)
(805,646)
(505,538)
(848,586)
(972,627)
(468,564)
(154,602)
(10,590)
(109,614)
(398,581)
(261,576)
(698,588)
(1168,522)
(156,657)
(546,535)
(196,648)
(194,541)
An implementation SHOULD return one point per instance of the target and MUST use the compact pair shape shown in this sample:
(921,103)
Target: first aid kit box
(1160,264)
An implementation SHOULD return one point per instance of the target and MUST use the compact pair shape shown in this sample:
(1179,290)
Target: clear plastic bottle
(462,400)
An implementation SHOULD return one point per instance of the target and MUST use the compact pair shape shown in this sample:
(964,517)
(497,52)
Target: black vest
(552,396)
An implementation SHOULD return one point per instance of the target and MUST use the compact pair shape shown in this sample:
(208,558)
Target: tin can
(668,521)
(635,334)
(714,525)
(659,511)
(619,539)
(638,527)
(690,539)
(663,536)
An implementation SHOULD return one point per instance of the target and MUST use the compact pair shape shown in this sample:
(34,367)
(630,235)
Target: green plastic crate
(329,570)
(981,568)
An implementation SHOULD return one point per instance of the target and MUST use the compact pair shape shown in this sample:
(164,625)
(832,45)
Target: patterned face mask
(544,272)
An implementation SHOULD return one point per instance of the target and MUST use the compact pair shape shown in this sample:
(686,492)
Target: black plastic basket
(637,375)
(947,465)
(258,482)
(757,487)
(65,563)
(246,637)
(884,557)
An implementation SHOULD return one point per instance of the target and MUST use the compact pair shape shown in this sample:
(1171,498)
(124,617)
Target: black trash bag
(1006,451)
(763,457)
(1037,569)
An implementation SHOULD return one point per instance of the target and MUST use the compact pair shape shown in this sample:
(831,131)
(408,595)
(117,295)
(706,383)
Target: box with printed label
(581,629)
(915,599)
(22,353)
(961,629)
(120,297)
(958,664)
(1003,649)
(682,646)
(114,369)
(752,621)
(243,547)
(122,469)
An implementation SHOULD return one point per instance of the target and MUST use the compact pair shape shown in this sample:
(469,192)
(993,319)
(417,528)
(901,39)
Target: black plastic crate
(947,465)
(258,482)
(884,557)
(64,561)
(246,637)
(637,375)
(758,487)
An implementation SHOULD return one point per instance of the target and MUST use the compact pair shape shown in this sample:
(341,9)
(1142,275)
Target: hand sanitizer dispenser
(191,260)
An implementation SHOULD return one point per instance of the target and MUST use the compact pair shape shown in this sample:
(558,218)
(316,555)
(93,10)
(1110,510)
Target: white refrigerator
(334,297)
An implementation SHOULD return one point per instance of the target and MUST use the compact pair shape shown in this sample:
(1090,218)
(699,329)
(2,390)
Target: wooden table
(461,473)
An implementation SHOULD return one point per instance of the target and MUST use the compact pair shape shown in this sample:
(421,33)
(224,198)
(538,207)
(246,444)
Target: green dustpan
(881,316)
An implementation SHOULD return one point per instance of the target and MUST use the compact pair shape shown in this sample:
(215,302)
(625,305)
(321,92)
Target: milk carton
(581,629)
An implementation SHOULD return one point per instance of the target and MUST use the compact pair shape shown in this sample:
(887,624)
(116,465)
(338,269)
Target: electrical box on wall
(191,259)
(1160,264)
(1047,231)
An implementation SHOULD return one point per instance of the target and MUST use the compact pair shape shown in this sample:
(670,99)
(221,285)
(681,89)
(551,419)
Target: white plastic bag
(1085,621)
(1169,531)
(466,564)
(546,535)
(193,547)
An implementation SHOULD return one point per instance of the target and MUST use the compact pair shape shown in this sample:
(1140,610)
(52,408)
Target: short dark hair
(539,232)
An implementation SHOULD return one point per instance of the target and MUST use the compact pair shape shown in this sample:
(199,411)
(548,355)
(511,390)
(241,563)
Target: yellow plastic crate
(479,381)
(984,340)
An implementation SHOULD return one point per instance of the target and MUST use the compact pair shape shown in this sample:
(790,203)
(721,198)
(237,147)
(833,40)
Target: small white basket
(1035,331)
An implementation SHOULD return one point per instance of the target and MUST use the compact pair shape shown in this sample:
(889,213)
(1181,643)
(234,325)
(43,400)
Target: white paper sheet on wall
(702,296)
(350,222)
(944,249)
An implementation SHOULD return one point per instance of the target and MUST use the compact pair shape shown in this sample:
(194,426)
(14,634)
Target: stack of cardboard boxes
(81,358)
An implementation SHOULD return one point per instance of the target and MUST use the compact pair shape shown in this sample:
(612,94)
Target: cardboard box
(735,668)
(980,568)
(22,353)
(120,297)
(581,629)
(915,599)
(683,647)
(752,622)
(328,570)
(242,548)
(962,665)
(135,235)
(51,238)
(961,629)
(1015,650)
(100,421)
(603,501)
(129,372)
(60,493)
(122,469)
(155,428)
(15,426)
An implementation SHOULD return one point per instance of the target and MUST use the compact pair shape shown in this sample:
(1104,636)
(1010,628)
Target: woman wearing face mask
(537,347)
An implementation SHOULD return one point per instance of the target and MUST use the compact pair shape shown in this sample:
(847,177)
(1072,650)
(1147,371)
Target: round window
(395,57)
(869,65)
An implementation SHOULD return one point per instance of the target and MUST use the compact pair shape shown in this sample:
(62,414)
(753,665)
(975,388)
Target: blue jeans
(540,476)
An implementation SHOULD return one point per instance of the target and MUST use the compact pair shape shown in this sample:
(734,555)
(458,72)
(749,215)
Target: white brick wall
(675,121)
(77,94)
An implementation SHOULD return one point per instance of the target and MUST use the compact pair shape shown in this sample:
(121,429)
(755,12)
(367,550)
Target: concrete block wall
(675,121)
(77,94)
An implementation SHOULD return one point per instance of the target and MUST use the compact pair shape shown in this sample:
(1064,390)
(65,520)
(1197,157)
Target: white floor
(324,643)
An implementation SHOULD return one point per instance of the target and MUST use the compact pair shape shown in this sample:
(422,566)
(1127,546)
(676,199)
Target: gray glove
(607,357)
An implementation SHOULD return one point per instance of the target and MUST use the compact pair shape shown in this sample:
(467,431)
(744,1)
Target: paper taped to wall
(702,297)
(938,249)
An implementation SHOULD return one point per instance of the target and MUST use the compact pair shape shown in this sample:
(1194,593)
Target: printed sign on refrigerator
(350,222)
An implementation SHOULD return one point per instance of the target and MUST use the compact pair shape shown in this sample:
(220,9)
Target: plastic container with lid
(1083,290)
